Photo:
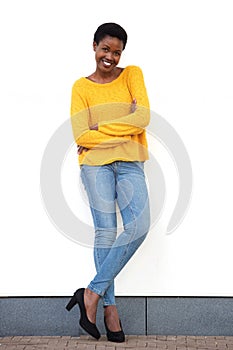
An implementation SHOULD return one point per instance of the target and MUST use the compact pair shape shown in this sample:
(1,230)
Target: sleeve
(82,134)
(133,123)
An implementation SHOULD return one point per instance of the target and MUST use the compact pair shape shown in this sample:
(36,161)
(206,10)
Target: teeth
(107,63)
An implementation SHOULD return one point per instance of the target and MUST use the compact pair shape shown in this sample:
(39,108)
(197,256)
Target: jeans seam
(126,250)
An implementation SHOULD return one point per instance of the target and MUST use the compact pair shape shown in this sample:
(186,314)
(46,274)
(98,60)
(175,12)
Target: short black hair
(112,29)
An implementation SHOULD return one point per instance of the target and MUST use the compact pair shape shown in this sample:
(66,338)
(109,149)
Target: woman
(109,113)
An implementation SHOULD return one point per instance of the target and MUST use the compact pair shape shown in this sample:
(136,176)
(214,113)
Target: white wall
(185,51)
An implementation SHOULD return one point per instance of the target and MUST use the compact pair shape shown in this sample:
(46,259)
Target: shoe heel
(72,303)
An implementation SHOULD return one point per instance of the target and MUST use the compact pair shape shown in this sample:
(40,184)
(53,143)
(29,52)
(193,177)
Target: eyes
(115,53)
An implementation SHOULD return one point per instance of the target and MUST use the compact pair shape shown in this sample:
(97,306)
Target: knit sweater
(121,133)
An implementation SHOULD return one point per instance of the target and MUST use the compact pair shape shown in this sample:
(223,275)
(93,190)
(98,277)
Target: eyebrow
(118,50)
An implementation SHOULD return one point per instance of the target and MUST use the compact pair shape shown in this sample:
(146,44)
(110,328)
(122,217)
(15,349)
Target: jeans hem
(95,290)
(109,304)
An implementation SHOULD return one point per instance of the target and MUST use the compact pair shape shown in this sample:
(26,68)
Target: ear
(94,46)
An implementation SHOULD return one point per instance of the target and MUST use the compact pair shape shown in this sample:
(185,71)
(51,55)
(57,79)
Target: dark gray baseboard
(38,316)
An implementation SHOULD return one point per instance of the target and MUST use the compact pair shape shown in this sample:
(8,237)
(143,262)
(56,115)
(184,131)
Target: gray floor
(139,342)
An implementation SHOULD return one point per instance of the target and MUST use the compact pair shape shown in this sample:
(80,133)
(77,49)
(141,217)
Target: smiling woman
(109,113)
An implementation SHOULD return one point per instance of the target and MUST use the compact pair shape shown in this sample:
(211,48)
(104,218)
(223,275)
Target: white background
(184,48)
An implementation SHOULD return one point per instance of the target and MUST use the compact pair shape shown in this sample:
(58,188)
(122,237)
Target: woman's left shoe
(117,337)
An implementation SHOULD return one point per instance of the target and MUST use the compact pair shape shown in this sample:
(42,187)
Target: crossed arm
(81,149)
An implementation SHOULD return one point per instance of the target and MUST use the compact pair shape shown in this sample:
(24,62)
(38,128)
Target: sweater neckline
(106,84)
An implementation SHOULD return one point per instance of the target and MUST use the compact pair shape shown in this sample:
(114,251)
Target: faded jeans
(121,183)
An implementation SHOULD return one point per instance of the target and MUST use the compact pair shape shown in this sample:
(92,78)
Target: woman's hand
(133,106)
(94,127)
(81,149)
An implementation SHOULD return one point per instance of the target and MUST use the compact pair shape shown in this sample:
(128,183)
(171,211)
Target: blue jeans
(121,183)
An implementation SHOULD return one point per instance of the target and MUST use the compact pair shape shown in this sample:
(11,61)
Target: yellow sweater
(121,133)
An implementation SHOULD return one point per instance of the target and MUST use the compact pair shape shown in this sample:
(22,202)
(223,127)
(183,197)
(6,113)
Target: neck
(102,77)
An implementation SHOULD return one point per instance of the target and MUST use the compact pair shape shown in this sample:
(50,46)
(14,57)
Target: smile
(106,63)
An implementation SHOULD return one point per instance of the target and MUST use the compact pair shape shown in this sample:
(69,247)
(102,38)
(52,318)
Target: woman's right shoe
(89,327)
(117,337)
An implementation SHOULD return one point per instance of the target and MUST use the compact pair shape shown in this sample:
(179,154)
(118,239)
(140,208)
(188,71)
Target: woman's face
(108,53)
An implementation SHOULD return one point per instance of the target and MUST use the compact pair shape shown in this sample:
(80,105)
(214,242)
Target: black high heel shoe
(89,327)
(117,337)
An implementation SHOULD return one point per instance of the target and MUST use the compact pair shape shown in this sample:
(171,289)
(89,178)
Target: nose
(109,56)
